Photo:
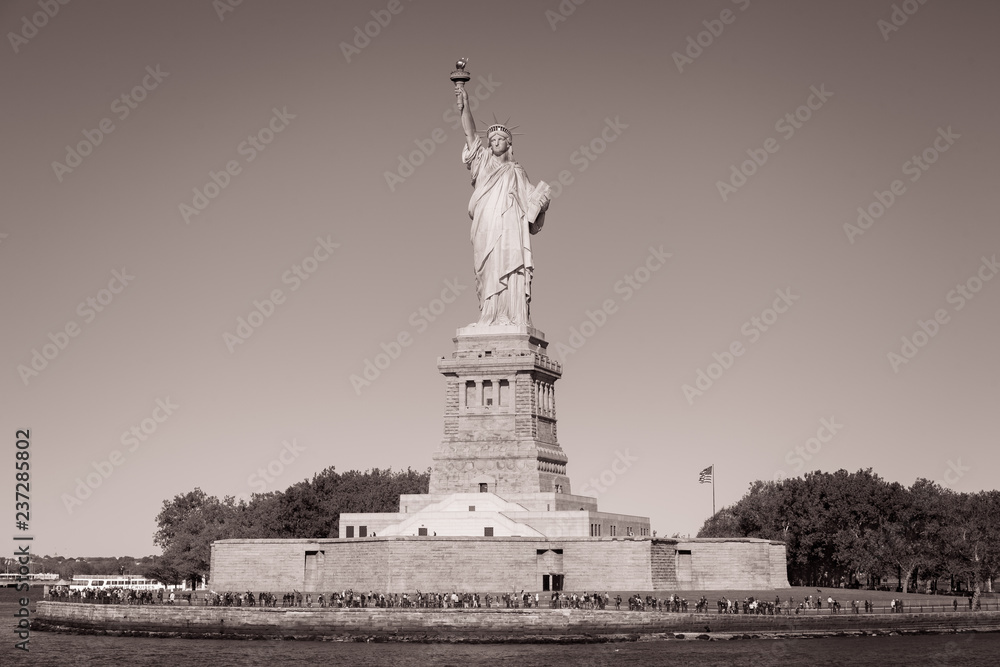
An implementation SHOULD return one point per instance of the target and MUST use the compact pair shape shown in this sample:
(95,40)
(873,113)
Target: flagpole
(713,489)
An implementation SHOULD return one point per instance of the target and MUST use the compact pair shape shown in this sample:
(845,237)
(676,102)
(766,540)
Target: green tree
(190,522)
(312,508)
(188,525)
(841,526)
(974,538)
(163,571)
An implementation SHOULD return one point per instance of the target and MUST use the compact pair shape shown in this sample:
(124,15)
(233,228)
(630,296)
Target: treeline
(190,522)
(66,568)
(857,529)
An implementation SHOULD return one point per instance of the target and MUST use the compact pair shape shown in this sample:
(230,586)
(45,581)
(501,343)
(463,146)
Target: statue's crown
(498,128)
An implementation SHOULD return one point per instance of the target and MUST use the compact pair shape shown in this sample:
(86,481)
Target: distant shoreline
(483,625)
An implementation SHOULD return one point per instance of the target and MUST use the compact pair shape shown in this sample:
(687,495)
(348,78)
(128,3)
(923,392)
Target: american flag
(705,476)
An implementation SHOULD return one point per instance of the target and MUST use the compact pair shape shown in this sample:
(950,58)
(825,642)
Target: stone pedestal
(500,415)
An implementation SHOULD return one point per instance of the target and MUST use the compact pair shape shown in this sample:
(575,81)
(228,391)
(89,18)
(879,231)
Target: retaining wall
(484,623)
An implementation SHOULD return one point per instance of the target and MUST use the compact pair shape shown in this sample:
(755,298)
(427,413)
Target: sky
(771,246)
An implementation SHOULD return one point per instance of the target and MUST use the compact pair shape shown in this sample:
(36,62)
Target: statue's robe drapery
(501,230)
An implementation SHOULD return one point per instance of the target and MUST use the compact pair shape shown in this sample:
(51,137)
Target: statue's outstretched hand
(462,98)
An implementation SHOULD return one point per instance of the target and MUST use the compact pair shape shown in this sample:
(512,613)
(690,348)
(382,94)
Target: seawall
(475,624)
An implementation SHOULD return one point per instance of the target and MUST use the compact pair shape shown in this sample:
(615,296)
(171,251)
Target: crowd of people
(513,600)
(117,595)
(751,606)
(359,599)
(455,600)
(248,599)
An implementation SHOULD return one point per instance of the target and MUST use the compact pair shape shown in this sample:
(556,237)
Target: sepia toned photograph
(549,332)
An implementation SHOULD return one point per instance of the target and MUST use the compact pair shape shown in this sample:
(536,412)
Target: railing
(908,607)
(545,602)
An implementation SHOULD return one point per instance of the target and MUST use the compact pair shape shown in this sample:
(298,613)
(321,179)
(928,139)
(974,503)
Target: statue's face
(499,144)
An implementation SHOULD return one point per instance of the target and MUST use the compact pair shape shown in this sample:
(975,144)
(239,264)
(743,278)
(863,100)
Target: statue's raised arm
(460,77)
(468,122)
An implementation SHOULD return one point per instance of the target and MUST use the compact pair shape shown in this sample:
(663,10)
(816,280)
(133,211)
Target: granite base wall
(486,623)
(730,563)
(482,564)
(607,565)
(279,563)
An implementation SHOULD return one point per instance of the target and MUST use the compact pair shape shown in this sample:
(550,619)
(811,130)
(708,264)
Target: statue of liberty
(505,210)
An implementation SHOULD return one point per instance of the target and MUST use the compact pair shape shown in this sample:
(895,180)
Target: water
(965,650)
(72,650)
